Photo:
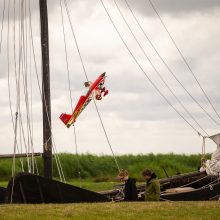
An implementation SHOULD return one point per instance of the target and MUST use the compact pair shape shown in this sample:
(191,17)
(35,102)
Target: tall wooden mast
(46,103)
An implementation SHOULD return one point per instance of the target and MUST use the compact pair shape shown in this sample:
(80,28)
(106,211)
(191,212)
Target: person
(130,189)
(98,91)
(152,191)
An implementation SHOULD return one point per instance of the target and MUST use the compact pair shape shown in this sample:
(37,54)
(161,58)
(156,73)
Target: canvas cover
(213,165)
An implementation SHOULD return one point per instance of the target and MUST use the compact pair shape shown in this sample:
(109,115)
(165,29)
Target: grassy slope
(3,183)
(88,184)
(128,211)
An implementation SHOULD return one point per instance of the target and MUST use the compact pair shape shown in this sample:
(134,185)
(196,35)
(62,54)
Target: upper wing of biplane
(67,119)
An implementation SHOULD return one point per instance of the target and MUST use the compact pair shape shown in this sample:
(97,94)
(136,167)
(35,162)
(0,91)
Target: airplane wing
(67,119)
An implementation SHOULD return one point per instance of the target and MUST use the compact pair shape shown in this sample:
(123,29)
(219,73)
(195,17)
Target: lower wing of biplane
(67,119)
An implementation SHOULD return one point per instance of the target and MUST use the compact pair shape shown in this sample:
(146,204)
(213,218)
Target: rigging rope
(136,61)
(17,83)
(183,58)
(24,77)
(15,143)
(56,156)
(8,63)
(3,16)
(66,55)
(83,66)
(77,158)
(169,69)
(157,72)
(22,69)
(70,91)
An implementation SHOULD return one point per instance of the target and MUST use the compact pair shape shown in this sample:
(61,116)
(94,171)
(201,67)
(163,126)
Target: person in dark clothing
(152,191)
(130,189)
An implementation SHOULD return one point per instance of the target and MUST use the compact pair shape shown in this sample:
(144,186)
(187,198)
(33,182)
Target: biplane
(95,89)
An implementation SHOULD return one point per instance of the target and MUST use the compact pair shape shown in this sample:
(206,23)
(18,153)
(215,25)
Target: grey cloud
(131,99)
(173,7)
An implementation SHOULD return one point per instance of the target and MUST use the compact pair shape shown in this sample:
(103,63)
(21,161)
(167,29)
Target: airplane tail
(65,118)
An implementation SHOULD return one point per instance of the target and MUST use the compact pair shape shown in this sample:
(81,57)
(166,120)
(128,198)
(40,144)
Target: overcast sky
(136,117)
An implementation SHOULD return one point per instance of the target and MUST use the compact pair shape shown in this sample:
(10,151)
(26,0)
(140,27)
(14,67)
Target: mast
(46,103)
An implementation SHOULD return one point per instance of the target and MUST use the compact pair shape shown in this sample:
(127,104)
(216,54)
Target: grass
(98,173)
(86,184)
(3,184)
(94,186)
(112,211)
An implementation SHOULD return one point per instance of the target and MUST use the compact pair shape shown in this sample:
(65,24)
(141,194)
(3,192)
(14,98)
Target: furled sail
(213,165)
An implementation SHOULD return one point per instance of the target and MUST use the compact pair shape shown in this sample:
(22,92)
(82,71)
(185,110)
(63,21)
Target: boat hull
(29,188)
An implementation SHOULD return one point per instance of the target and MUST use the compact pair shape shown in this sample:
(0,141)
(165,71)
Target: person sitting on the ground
(152,191)
(130,190)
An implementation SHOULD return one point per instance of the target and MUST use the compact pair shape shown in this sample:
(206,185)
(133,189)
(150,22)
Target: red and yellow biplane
(96,88)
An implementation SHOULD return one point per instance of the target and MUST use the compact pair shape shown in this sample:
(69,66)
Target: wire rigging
(155,69)
(56,156)
(22,73)
(169,69)
(66,56)
(84,69)
(136,61)
(3,16)
(70,91)
(183,57)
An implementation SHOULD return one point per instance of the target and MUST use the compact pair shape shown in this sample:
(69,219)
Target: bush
(103,168)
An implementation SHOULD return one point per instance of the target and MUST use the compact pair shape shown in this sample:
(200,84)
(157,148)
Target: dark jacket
(130,190)
(152,192)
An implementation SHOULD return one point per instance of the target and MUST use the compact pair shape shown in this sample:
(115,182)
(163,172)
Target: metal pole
(47,140)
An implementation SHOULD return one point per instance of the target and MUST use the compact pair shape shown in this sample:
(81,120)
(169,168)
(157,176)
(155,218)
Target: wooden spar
(46,103)
(8,156)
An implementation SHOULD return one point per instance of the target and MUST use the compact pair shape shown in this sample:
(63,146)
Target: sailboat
(32,188)
(201,185)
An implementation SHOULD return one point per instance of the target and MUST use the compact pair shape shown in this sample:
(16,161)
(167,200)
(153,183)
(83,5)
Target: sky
(137,119)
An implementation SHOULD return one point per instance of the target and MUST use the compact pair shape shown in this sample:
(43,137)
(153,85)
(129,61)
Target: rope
(157,72)
(74,36)
(136,61)
(77,158)
(22,69)
(59,165)
(66,55)
(3,16)
(24,80)
(83,66)
(56,156)
(70,91)
(185,61)
(31,110)
(209,184)
(116,162)
(32,46)
(8,62)
(13,165)
(17,84)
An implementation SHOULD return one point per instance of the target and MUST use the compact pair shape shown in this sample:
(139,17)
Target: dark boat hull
(29,188)
(203,187)
(205,193)
(2,194)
